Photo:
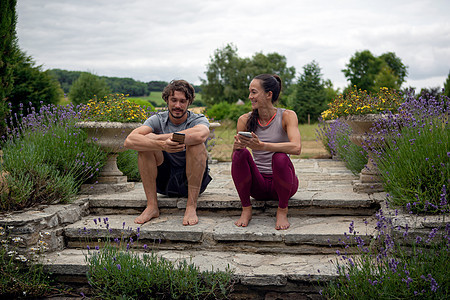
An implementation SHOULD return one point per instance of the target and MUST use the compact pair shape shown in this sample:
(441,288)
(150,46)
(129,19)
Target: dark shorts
(172,180)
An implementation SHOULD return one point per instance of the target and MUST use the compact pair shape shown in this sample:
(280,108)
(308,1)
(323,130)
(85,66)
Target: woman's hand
(253,142)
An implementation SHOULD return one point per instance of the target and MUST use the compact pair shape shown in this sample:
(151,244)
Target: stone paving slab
(249,269)
(307,234)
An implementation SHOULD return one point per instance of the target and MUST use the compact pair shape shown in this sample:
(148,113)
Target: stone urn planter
(110,136)
(361,125)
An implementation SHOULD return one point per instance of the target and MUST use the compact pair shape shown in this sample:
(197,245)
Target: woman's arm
(294,146)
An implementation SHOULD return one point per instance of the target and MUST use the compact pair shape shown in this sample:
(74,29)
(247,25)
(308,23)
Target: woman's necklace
(269,120)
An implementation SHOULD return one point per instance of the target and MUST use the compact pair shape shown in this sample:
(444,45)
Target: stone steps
(307,235)
(265,260)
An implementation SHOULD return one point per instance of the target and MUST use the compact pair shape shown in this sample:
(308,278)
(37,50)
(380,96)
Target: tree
(126,86)
(386,78)
(397,67)
(32,86)
(228,75)
(157,86)
(226,78)
(309,96)
(447,86)
(8,55)
(66,78)
(8,45)
(367,72)
(331,93)
(273,63)
(86,87)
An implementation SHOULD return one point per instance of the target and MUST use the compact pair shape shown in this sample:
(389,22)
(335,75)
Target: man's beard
(176,116)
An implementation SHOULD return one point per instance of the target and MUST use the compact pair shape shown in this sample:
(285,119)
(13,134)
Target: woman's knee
(280,160)
(241,155)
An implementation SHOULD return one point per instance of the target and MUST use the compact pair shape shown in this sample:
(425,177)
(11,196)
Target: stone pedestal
(369,179)
(110,136)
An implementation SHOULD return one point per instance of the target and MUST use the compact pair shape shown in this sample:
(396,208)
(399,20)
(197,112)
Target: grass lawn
(153,97)
(223,142)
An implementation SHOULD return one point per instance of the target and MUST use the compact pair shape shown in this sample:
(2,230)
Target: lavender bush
(45,158)
(117,271)
(393,267)
(335,137)
(414,161)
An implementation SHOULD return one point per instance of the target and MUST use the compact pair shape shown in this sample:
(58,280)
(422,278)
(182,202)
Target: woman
(274,134)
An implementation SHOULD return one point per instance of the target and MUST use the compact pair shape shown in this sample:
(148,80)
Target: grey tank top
(272,133)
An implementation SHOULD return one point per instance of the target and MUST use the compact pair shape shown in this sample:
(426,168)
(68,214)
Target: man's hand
(172,146)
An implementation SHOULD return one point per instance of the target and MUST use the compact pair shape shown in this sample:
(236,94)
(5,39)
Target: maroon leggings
(281,185)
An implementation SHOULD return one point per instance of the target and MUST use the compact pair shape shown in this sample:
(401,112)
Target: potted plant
(360,110)
(107,122)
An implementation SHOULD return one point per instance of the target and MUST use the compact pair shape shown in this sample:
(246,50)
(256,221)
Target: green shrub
(335,136)
(116,272)
(198,103)
(144,103)
(415,161)
(46,159)
(385,268)
(32,87)
(226,111)
(127,162)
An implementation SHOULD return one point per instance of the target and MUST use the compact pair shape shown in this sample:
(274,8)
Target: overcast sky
(173,39)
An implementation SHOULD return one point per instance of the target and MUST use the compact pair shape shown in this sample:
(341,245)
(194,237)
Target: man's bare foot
(190,216)
(282,220)
(148,214)
(245,218)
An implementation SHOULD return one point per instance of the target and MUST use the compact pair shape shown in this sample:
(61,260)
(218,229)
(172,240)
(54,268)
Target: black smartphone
(178,137)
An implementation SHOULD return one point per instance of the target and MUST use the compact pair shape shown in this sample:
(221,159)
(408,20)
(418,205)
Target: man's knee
(151,157)
(196,151)
(196,154)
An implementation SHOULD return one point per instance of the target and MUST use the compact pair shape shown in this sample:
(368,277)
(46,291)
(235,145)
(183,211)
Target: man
(169,167)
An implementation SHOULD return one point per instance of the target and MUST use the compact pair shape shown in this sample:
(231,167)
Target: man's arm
(195,135)
(143,139)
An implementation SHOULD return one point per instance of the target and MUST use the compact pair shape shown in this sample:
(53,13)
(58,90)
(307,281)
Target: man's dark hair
(180,86)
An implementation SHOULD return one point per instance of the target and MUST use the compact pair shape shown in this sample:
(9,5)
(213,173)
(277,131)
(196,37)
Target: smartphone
(245,133)
(178,137)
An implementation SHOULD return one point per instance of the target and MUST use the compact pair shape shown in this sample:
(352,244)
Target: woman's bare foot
(245,218)
(190,216)
(282,220)
(148,214)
